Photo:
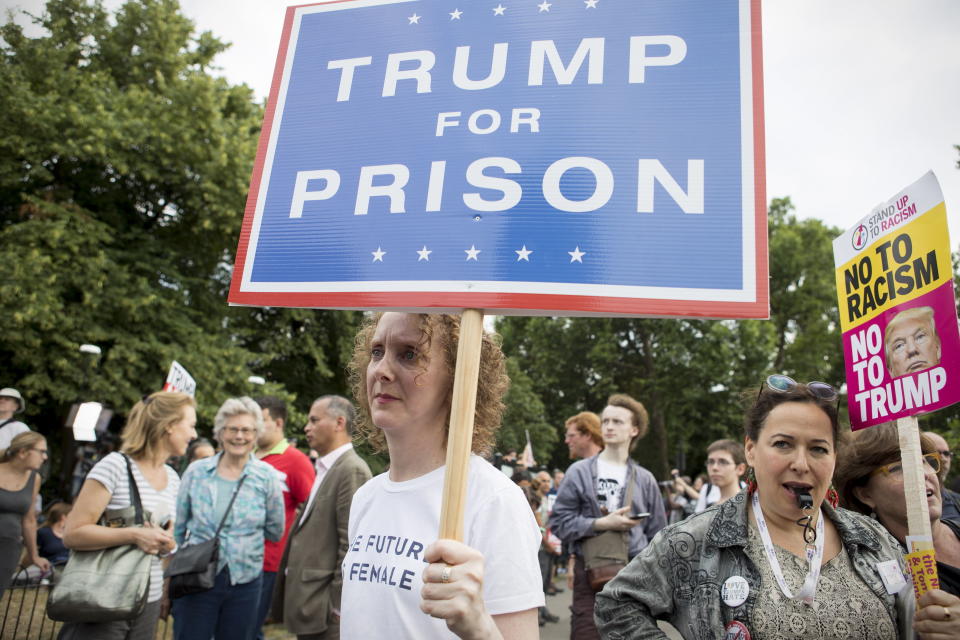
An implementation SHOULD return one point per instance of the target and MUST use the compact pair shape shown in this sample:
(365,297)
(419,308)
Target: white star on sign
(499,9)
(424,254)
(414,19)
(472,252)
(378,254)
(544,6)
(455,14)
(576,255)
(523,254)
(591,4)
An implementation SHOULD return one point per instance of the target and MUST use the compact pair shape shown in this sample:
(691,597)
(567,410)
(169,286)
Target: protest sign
(569,158)
(921,562)
(901,343)
(591,158)
(178,379)
(897,309)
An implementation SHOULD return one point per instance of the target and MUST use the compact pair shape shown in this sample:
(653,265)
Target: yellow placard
(923,569)
(897,268)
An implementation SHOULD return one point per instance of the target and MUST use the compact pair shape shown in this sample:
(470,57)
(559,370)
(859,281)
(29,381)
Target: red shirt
(297,473)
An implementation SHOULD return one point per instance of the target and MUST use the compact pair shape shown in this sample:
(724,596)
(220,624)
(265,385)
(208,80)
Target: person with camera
(607,492)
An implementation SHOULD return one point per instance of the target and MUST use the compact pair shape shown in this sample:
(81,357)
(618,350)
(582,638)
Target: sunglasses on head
(785,384)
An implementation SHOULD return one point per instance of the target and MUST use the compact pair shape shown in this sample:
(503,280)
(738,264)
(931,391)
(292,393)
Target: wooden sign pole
(460,435)
(920,559)
(914,485)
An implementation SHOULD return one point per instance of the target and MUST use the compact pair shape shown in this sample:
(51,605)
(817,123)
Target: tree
(803,310)
(525,414)
(123,177)
(560,358)
(304,350)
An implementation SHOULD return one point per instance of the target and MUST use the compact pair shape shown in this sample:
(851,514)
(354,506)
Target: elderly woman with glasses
(870,480)
(207,492)
(776,561)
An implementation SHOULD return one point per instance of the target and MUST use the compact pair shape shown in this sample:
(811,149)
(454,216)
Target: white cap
(10,392)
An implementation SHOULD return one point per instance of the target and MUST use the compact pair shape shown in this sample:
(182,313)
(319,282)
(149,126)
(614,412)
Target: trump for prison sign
(568,157)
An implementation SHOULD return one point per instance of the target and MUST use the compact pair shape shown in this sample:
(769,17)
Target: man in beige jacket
(309,582)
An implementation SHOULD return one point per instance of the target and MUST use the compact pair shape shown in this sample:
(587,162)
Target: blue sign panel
(573,157)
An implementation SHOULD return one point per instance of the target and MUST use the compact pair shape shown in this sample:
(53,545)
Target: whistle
(804,500)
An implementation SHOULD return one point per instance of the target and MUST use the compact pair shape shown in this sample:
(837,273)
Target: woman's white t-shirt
(392,523)
(111,472)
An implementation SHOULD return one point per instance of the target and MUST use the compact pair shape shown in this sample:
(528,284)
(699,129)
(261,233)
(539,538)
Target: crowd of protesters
(795,530)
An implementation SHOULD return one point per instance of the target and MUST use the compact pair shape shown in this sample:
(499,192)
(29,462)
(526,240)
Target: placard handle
(460,435)
(920,558)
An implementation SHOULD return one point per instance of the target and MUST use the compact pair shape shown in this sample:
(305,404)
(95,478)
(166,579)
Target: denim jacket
(257,512)
(577,507)
(678,577)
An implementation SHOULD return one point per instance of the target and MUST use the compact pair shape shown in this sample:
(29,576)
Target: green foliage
(123,177)
(525,414)
(804,310)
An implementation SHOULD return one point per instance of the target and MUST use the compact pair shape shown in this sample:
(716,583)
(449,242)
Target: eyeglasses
(946,454)
(720,462)
(232,431)
(785,384)
(930,461)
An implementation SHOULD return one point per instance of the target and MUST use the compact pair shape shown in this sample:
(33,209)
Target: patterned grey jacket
(678,577)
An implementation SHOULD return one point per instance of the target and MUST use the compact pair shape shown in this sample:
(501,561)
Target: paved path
(559,605)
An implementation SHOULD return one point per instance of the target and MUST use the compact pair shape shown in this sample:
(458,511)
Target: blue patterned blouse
(257,512)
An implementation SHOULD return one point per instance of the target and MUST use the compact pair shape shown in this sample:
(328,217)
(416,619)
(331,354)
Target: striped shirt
(111,472)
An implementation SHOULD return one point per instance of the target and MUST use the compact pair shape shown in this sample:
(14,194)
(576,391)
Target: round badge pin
(736,630)
(735,591)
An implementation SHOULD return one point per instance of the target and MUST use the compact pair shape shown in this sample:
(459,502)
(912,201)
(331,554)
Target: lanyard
(814,557)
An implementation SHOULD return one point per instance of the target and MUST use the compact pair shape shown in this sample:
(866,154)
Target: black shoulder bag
(194,567)
(607,552)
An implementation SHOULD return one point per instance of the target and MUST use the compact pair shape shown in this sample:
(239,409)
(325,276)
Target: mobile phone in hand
(638,516)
